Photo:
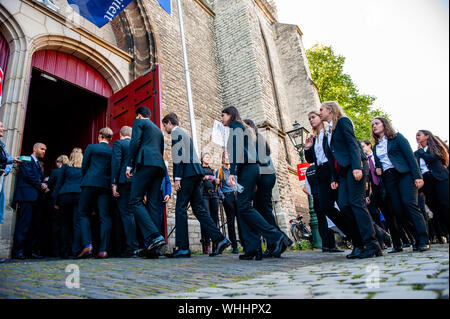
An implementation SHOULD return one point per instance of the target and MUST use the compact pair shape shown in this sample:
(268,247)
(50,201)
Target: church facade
(239,55)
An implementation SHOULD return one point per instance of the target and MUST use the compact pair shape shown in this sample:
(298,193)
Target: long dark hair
(388,130)
(233,112)
(259,137)
(436,146)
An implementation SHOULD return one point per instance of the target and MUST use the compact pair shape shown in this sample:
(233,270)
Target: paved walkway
(304,274)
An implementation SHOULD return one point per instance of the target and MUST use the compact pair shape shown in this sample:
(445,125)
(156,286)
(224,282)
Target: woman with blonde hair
(351,172)
(68,195)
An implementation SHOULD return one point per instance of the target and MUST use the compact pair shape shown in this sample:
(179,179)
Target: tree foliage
(327,70)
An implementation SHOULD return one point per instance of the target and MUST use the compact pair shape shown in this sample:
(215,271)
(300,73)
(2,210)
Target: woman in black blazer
(433,160)
(351,174)
(245,170)
(401,175)
(317,152)
(67,192)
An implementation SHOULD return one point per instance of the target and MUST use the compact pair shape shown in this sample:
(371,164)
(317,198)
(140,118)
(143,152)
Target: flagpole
(188,79)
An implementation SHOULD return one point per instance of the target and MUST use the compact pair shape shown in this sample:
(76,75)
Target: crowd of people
(376,192)
(110,201)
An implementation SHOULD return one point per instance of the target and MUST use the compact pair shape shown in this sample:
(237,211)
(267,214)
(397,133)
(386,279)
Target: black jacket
(241,147)
(146,145)
(54,178)
(96,167)
(70,182)
(120,158)
(345,147)
(184,156)
(434,164)
(401,156)
(29,180)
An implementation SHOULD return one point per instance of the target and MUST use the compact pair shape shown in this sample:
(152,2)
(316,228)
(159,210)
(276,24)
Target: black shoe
(395,250)
(281,245)
(354,254)
(249,256)
(134,254)
(155,243)
(267,254)
(370,252)
(36,256)
(235,251)
(19,256)
(424,247)
(180,254)
(325,250)
(259,255)
(335,250)
(3,260)
(224,243)
(406,245)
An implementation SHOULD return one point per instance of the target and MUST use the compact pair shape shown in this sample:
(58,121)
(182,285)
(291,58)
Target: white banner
(220,134)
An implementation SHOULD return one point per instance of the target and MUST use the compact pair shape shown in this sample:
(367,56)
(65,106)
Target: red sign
(1,84)
(301,170)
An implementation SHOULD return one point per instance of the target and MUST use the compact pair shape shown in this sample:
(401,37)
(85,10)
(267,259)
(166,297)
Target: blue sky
(396,50)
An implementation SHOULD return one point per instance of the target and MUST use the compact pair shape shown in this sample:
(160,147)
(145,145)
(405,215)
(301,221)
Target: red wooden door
(144,91)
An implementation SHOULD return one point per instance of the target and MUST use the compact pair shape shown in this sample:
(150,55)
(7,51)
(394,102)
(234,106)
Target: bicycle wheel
(296,233)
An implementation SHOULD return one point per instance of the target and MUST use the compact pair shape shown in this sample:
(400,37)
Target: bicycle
(299,230)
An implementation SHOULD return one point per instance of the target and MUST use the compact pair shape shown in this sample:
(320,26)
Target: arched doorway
(4,58)
(66,105)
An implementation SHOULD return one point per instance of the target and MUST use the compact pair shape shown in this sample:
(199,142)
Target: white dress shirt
(318,149)
(382,154)
(330,132)
(423,165)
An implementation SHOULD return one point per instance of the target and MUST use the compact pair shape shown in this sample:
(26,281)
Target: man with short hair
(95,193)
(29,193)
(146,167)
(188,174)
(121,187)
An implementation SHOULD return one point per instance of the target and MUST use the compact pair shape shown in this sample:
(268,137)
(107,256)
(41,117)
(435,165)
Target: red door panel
(144,91)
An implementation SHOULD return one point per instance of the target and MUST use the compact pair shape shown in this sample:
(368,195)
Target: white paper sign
(220,134)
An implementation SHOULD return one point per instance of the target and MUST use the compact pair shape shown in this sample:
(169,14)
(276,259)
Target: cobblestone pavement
(299,274)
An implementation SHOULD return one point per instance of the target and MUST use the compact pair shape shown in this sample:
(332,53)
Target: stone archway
(135,34)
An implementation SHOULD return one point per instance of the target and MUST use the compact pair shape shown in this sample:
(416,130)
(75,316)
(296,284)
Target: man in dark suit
(146,167)
(188,174)
(29,195)
(121,187)
(95,193)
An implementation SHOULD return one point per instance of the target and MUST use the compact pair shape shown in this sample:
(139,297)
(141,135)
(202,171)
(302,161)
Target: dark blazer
(242,149)
(184,156)
(345,147)
(96,167)
(54,178)
(146,145)
(29,180)
(120,158)
(434,164)
(401,156)
(70,181)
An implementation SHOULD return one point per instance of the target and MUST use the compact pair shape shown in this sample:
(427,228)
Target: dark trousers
(127,218)
(436,197)
(146,181)
(326,234)
(90,199)
(191,192)
(404,198)
(263,197)
(212,206)
(69,213)
(57,221)
(251,222)
(326,198)
(230,207)
(381,201)
(352,196)
(26,233)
